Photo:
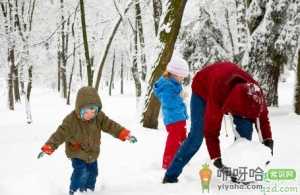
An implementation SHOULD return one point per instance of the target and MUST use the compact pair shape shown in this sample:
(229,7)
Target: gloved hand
(225,170)
(46,149)
(132,139)
(125,135)
(269,143)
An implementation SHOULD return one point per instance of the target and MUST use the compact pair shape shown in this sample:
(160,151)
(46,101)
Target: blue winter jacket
(167,90)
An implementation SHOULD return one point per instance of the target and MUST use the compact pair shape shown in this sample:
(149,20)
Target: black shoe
(169,180)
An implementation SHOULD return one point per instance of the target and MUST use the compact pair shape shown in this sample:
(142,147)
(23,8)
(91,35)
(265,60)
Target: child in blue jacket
(168,89)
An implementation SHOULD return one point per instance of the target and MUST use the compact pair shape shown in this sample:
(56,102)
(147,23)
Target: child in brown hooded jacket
(81,132)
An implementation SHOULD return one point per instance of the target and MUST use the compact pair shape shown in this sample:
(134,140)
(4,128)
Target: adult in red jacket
(218,89)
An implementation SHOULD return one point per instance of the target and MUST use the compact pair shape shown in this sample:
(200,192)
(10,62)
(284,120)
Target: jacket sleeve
(264,129)
(212,126)
(61,134)
(108,125)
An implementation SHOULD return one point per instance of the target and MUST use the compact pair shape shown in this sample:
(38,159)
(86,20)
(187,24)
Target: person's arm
(60,135)
(212,126)
(57,138)
(264,124)
(264,129)
(107,125)
(114,128)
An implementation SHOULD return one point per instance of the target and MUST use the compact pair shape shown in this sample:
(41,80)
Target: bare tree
(111,82)
(134,68)
(74,57)
(157,12)
(140,34)
(86,46)
(7,11)
(108,44)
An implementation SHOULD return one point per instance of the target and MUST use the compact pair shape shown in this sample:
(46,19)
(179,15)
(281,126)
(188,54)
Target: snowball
(245,153)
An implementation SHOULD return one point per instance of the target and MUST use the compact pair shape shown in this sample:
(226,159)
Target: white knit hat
(178,66)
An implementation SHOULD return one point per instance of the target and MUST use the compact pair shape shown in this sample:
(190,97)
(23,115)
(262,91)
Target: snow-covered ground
(124,168)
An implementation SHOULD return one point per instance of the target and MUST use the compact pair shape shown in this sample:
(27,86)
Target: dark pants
(84,175)
(195,137)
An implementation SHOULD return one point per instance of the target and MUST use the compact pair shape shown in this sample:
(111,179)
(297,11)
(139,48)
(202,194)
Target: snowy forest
(117,45)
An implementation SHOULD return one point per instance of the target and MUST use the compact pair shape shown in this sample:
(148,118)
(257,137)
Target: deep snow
(124,168)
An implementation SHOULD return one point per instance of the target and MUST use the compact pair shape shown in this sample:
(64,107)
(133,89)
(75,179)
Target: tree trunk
(140,31)
(72,71)
(111,82)
(15,75)
(229,33)
(134,68)
(28,93)
(168,38)
(86,46)
(64,50)
(29,86)
(266,60)
(297,92)
(157,12)
(273,79)
(80,69)
(241,25)
(122,75)
(11,102)
(58,69)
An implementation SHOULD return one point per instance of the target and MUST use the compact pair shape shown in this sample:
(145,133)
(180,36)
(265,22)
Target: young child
(168,89)
(81,132)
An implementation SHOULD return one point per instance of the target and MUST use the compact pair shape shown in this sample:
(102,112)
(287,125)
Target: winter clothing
(269,143)
(244,127)
(212,96)
(176,135)
(125,135)
(245,99)
(82,138)
(47,149)
(178,66)
(84,175)
(167,90)
(223,86)
(132,139)
(75,131)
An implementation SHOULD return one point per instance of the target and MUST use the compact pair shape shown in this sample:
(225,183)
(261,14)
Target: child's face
(89,114)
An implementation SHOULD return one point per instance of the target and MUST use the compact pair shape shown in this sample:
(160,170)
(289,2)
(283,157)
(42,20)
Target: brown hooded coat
(82,138)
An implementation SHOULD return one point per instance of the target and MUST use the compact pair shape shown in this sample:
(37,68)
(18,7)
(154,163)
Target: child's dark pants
(84,175)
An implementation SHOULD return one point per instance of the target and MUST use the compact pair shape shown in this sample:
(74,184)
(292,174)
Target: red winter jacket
(214,83)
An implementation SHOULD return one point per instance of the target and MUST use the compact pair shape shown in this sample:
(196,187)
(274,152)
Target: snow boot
(169,180)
